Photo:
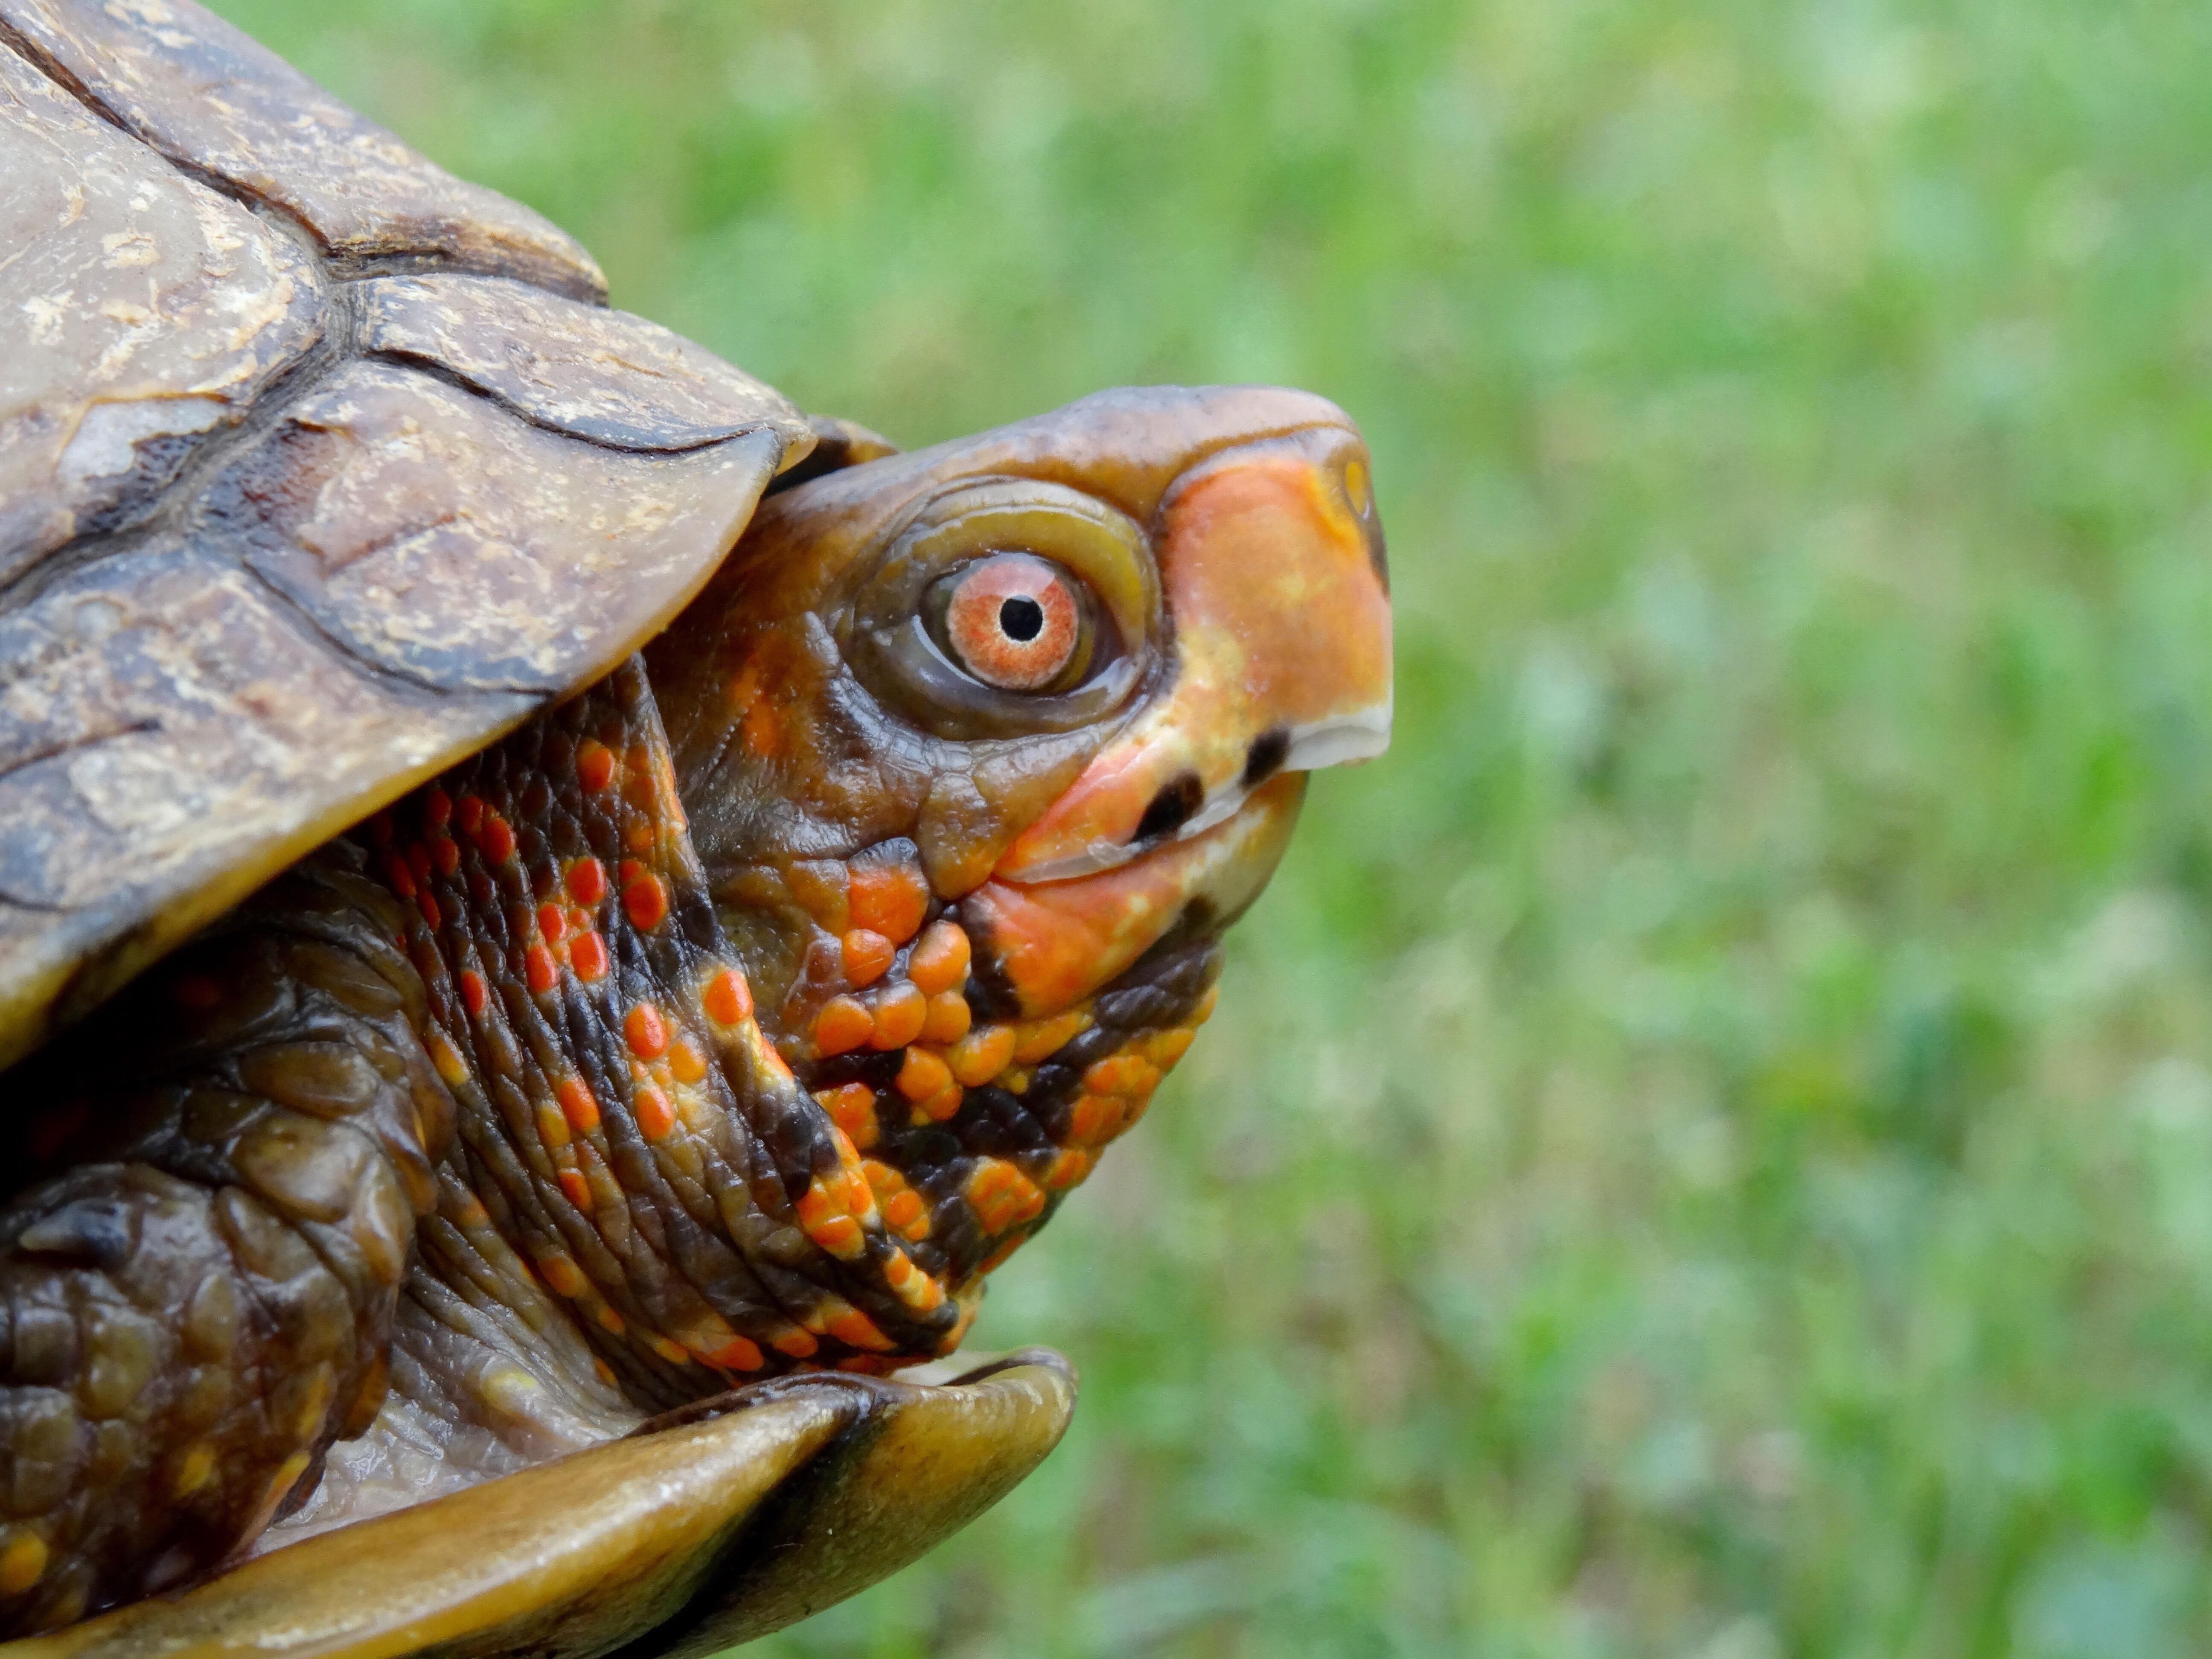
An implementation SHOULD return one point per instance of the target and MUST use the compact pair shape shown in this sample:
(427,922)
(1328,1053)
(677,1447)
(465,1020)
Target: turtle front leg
(197,1282)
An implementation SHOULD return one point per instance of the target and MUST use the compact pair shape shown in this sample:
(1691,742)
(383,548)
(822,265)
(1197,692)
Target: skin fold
(736,1018)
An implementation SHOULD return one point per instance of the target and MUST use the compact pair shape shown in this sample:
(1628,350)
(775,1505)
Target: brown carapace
(735,1017)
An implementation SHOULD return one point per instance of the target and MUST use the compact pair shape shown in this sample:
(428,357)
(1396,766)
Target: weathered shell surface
(318,469)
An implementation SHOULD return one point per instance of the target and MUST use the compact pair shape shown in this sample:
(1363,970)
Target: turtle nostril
(1171,808)
(1265,758)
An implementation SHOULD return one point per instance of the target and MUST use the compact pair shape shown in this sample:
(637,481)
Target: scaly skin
(737,1017)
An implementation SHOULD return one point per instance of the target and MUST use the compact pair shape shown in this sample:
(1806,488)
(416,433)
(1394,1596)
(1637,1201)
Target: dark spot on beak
(1266,756)
(1172,808)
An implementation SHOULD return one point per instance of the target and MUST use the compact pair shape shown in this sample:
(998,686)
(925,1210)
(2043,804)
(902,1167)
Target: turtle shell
(320,470)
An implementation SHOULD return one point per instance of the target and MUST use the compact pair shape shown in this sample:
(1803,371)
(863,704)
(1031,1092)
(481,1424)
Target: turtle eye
(1014,622)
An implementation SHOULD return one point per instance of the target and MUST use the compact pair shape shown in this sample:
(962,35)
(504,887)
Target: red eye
(1013,622)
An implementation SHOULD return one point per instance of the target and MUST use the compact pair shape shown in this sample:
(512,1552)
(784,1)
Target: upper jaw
(1359,734)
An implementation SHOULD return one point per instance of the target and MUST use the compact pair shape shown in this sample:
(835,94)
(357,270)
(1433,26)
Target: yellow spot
(448,1059)
(23,1560)
(509,1388)
(193,1469)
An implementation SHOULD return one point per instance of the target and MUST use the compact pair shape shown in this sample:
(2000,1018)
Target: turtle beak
(1273,576)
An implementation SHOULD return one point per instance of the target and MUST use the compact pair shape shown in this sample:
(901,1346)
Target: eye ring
(1013,621)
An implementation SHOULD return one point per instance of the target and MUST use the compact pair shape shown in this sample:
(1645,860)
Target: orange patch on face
(842,1026)
(794,1345)
(588,956)
(940,961)
(646,902)
(655,1117)
(445,853)
(1165,1047)
(497,839)
(942,1106)
(552,924)
(1094,1119)
(401,878)
(856,1330)
(562,1273)
(587,881)
(552,1127)
(437,809)
(1125,1074)
(646,1031)
(576,1189)
(900,1012)
(595,765)
(889,900)
(674,1353)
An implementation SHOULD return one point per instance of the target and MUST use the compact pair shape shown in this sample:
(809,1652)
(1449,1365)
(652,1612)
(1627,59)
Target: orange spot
(587,881)
(1125,1074)
(429,908)
(841,1235)
(552,1127)
(794,1344)
(981,1055)
(739,1353)
(437,809)
(852,1108)
(856,1330)
(538,968)
(398,876)
(673,1352)
(1204,1012)
(575,1189)
(941,960)
(842,1026)
(728,1000)
(1165,1047)
(1041,1039)
(923,1074)
(948,1018)
(645,1032)
(908,1213)
(1094,1119)
(944,1103)
(471,814)
(1002,1196)
(498,840)
(588,956)
(595,765)
(890,900)
(655,1117)
(1067,1168)
(552,923)
(647,902)
(577,1105)
(900,1012)
(418,860)
(198,991)
(562,1273)
(446,852)
(867,956)
(611,1324)
(685,1062)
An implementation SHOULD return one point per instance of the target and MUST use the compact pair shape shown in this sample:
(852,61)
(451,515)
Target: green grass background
(1708,1146)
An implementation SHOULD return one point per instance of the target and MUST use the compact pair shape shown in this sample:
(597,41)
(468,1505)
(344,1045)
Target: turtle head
(984,746)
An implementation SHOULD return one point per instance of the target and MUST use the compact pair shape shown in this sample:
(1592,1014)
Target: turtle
(558,915)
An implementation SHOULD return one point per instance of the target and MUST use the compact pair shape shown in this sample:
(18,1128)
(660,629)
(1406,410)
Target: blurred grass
(1705,1151)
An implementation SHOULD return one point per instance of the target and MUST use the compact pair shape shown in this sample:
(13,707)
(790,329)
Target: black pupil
(1021,619)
